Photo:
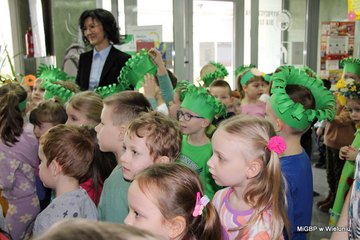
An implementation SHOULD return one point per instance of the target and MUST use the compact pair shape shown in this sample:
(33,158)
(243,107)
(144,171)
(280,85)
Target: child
(251,89)
(38,91)
(150,138)
(66,153)
(18,161)
(167,199)
(349,89)
(296,101)
(84,109)
(119,110)
(81,229)
(222,91)
(196,113)
(245,159)
(46,115)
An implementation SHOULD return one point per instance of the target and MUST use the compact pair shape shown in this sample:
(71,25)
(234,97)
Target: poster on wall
(336,43)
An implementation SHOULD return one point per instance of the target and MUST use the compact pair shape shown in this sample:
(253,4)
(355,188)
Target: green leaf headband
(243,68)
(181,88)
(53,89)
(351,65)
(106,91)
(198,100)
(51,73)
(247,76)
(348,88)
(220,73)
(135,69)
(294,114)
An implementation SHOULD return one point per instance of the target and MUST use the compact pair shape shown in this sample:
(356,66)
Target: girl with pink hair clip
(167,199)
(246,159)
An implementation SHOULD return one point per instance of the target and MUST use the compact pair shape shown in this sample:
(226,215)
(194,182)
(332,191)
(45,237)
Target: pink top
(257,109)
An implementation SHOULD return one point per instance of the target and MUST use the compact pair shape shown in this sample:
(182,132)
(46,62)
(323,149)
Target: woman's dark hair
(111,29)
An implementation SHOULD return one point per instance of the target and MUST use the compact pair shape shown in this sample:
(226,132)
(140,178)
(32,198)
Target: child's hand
(149,85)
(348,153)
(157,58)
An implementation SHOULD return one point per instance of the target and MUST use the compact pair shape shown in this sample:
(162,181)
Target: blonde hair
(88,103)
(175,187)
(82,229)
(71,146)
(126,106)
(163,137)
(255,134)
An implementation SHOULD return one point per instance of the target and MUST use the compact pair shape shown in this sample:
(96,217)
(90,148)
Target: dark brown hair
(48,111)
(221,83)
(11,116)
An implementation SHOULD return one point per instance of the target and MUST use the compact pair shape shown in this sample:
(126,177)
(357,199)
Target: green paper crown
(351,65)
(51,73)
(54,89)
(198,100)
(106,91)
(219,73)
(135,69)
(243,68)
(247,76)
(294,114)
(348,88)
(181,88)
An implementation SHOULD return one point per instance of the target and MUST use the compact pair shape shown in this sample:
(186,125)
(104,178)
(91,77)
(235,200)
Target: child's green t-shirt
(196,158)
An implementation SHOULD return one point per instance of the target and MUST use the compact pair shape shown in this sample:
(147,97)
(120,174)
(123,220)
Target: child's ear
(254,168)
(162,159)
(205,122)
(55,168)
(176,227)
(279,125)
(122,131)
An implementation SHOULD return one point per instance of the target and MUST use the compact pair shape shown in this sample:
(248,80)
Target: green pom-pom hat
(136,67)
(198,100)
(219,73)
(294,114)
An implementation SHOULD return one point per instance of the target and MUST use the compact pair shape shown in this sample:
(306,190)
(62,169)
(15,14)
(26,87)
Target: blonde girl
(167,199)
(245,160)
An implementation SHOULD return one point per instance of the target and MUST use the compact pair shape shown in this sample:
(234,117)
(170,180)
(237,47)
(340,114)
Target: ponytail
(212,226)
(11,117)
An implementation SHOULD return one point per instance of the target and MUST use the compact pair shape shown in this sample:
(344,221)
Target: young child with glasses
(196,113)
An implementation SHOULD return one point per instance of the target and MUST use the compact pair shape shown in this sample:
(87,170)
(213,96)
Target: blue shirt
(97,65)
(298,174)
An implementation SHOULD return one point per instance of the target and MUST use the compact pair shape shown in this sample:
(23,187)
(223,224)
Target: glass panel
(214,42)
(5,39)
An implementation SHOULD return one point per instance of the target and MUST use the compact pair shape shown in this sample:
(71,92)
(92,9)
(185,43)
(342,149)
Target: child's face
(37,94)
(194,125)
(144,214)
(40,130)
(226,169)
(174,105)
(45,173)
(354,108)
(222,94)
(76,117)
(135,157)
(237,105)
(253,90)
(110,137)
(265,87)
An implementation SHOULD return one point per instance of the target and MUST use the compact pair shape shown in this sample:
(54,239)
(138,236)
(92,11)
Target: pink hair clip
(277,144)
(201,202)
